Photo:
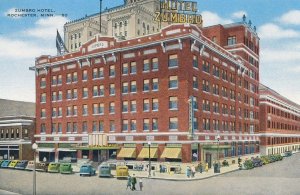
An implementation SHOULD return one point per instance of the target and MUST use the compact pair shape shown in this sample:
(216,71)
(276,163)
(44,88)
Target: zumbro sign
(98,45)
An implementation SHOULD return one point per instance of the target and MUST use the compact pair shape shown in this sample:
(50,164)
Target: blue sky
(23,39)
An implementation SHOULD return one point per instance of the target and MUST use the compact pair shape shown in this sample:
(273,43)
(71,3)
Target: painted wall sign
(98,45)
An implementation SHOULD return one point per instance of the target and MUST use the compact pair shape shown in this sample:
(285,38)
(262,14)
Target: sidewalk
(183,177)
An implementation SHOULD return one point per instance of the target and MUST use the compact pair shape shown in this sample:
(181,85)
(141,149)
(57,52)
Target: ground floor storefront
(16,151)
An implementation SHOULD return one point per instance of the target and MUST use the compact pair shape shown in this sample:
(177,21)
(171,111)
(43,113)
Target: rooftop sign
(178,12)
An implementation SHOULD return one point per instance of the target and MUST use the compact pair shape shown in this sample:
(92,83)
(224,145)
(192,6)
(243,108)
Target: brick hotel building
(279,122)
(112,97)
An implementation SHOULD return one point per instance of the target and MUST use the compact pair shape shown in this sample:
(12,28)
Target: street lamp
(149,145)
(34,147)
(218,139)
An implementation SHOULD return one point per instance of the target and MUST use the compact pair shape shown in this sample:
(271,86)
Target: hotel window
(173,61)
(84,126)
(69,78)
(231,40)
(43,113)
(53,128)
(146,105)
(173,123)
(54,96)
(125,69)
(146,124)
(75,110)
(232,94)
(205,86)
(133,106)
(154,124)
(69,111)
(216,125)
(95,108)
(112,126)
(112,89)
(146,66)
(205,66)
(69,94)
(195,82)
(2,133)
(224,109)
(112,72)
(101,73)
(94,127)
(155,104)
(59,96)
(133,68)
(133,86)
(69,127)
(216,108)
(155,84)
(125,106)
(195,123)
(85,92)
(173,103)
(125,125)
(43,82)
(101,90)
(75,94)
(43,129)
(215,89)
(75,77)
(43,98)
(133,125)
(59,114)
(95,91)
(154,64)
(85,110)
(206,124)
(101,126)
(112,107)
(173,82)
(195,106)
(125,87)
(251,101)
(53,112)
(75,127)
(216,71)
(195,61)
(54,80)
(101,108)
(205,105)
(59,80)
(224,75)
(146,86)
(224,92)
(214,39)
(95,73)
(84,75)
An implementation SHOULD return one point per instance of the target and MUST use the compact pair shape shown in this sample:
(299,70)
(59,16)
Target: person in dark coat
(133,182)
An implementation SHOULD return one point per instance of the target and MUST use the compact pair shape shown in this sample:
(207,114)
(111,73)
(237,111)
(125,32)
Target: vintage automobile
(87,169)
(54,167)
(104,170)
(66,168)
(122,171)
(1,161)
(42,166)
(30,165)
(257,162)
(21,164)
(13,163)
(287,154)
(5,164)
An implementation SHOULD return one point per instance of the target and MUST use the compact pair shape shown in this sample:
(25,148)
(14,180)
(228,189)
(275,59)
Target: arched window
(116,25)
(121,24)
(125,23)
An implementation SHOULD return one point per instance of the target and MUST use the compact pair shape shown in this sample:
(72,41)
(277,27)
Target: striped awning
(127,153)
(145,153)
(174,153)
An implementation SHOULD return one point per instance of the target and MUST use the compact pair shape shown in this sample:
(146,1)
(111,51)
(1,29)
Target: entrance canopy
(145,153)
(127,153)
(174,153)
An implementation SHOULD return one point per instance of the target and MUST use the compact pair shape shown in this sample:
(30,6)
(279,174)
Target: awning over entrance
(46,150)
(65,150)
(215,147)
(97,148)
(145,153)
(171,153)
(127,153)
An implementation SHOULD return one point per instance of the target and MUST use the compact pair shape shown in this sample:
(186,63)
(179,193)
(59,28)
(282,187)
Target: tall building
(279,122)
(191,92)
(17,127)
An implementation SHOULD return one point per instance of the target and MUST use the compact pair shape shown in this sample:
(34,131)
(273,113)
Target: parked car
(5,164)
(257,162)
(21,164)
(66,168)
(54,167)
(288,153)
(104,170)
(122,172)
(42,166)
(265,160)
(87,169)
(13,163)
(30,165)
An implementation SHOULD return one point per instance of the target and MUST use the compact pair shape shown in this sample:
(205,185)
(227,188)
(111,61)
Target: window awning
(127,153)
(145,153)
(46,150)
(215,147)
(171,153)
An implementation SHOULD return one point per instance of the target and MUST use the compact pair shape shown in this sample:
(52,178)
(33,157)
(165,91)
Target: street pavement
(281,177)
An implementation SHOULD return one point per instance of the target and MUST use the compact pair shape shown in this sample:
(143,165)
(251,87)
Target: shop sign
(98,45)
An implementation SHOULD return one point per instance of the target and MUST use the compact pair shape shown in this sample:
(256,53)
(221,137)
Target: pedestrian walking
(206,167)
(193,170)
(200,167)
(141,184)
(188,172)
(133,182)
(128,182)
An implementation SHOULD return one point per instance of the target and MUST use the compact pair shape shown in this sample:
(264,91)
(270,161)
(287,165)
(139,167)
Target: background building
(17,127)
(279,122)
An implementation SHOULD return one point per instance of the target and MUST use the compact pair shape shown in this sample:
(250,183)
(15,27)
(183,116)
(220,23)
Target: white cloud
(272,31)
(13,11)
(291,17)
(210,18)
(239,14)
(45,28)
